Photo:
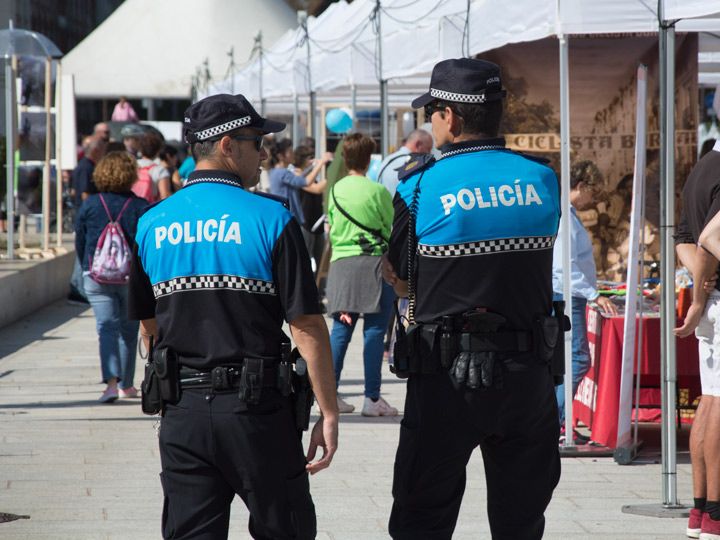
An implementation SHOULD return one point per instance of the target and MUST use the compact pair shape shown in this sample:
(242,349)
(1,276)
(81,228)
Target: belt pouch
(284,378)
(151,400)
(402,351)
(220,379)
(427,349)
(168,373)
(251,380)
(303,396)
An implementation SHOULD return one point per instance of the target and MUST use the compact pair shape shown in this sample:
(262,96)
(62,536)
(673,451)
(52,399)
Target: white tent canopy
(417,34)
(153,49)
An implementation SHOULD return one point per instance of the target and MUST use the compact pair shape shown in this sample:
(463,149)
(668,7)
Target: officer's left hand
(388,272)
(324,434)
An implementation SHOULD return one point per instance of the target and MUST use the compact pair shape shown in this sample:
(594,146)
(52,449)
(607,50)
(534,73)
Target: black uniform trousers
(517,430)
(213,446)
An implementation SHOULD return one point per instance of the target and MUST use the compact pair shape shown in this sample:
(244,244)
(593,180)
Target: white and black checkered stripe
(222,128)
(532,243)
(472,149)
(213,180)
(458,98)
(213,282)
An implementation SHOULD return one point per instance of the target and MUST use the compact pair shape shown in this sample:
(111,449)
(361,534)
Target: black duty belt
(510,342)
(224,378)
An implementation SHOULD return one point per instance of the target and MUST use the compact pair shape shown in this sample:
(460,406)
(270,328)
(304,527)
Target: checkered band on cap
(222,128)
(484,247)
(459,98)
(213,282)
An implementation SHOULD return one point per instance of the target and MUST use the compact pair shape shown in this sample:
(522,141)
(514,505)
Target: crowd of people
(353,234)
(480,279)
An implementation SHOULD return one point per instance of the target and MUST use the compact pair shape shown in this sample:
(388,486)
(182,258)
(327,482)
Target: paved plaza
(81,470)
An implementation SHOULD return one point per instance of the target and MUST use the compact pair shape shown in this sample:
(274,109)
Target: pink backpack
(111,262)
(143,186)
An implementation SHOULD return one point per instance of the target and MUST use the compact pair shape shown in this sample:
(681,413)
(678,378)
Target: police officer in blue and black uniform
(217,270)
(473,234)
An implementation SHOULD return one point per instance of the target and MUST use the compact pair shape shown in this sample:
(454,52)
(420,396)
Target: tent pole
(667,278)
(312,120)
(353,103)
(48,152)
(10,154)
(566,246)
(295,119)
(384,128)
(58,167)
(260,77)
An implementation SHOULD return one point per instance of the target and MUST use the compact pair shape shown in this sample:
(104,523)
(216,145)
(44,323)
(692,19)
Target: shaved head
(419,141)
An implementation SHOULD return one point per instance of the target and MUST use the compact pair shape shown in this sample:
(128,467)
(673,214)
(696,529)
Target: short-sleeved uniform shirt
(220,268)
(487,219)
(700,198)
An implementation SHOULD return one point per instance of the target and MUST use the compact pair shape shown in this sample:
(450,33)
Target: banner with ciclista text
(602,125)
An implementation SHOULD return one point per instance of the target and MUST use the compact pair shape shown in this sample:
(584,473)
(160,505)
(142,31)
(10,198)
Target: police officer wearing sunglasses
(472,247)
(217,271)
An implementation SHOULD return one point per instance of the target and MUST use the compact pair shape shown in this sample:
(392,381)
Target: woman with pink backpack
(104,232)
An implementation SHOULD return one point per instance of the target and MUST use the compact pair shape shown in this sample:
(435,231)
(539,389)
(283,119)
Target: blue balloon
(338,121)
(374,168)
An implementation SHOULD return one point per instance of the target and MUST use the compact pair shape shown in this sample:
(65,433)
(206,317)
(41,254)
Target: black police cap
(214,116)
(463,80)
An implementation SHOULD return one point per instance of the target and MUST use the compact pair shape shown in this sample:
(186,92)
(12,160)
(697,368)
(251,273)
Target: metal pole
(260,74)
(566,212)
(58,163)
(353,103)
(667,269)
(384,127)
(48,153)
(10,154)
(312,120)
(231,54)
(296,118)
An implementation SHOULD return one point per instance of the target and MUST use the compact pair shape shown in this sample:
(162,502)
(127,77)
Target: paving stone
(83,470)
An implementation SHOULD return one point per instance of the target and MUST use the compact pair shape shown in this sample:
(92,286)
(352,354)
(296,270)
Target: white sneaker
(344,406)
(378,408)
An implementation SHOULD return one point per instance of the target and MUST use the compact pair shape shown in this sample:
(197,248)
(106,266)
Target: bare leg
(711,449)
(697,442)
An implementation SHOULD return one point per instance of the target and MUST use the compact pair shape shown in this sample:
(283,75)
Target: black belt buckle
(251,380)
(220,378)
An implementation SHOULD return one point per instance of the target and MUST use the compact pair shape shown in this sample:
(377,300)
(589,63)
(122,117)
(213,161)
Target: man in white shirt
(418,142)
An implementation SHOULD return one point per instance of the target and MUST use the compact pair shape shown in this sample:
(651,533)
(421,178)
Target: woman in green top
(360,213)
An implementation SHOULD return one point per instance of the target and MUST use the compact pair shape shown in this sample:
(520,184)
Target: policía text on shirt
(190,232)
(492,196)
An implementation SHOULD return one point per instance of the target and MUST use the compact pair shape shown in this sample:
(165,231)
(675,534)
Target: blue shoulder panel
(210,229)
(485,196)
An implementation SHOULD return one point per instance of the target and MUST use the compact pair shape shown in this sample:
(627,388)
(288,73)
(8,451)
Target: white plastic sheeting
(153,48)
(418,33)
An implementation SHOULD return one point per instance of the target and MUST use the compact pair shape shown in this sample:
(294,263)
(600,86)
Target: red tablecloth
(596,401)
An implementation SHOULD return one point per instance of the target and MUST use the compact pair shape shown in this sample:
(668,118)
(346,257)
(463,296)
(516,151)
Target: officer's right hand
(325,435)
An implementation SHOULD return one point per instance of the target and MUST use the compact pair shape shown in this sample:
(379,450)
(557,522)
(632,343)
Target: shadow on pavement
(68,404)
(356,418)
(33,327)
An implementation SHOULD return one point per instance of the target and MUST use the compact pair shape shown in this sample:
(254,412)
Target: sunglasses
(432,108)
(259,140)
